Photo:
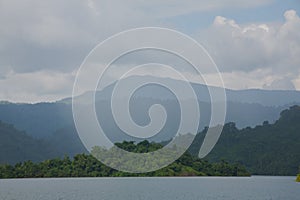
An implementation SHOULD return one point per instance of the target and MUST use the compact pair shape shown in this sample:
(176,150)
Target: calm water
(283,188)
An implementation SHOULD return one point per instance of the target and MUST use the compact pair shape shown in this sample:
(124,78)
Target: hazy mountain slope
(38,120)
(250,96)
(245,108)
(16,146)
(67,142)
(42,120)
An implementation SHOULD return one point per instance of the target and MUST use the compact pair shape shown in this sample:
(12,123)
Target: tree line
(83,165)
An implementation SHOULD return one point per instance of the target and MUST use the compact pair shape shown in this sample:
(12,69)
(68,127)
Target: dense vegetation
(270,149)
(87,166)
(16,146)
(298,176)
(39,120)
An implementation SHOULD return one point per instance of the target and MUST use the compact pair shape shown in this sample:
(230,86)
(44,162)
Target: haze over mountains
(250,96)
(244,107)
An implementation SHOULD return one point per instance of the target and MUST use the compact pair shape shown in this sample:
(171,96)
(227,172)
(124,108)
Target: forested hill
(266,149)
(272,149)
(87,166)
(17,146)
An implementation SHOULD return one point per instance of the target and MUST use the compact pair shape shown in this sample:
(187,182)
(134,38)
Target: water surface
(191,188)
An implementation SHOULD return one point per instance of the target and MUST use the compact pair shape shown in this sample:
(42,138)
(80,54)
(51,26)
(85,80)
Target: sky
(255,44)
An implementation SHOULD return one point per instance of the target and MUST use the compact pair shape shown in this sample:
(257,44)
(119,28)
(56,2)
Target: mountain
(271,149)
(16,146)
(39,120)
(53,122)
(67,142)
(248,96)
(268,149)
(244,107)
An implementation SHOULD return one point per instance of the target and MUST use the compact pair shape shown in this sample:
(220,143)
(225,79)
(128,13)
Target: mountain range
(267,149)
(244,107)
(47,130)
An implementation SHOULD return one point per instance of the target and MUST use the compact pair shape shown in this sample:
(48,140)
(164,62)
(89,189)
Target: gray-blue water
(217,188)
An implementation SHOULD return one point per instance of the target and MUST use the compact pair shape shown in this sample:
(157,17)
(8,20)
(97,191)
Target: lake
(190,188)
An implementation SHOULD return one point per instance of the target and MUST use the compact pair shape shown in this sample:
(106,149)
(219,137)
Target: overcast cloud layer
(42,43)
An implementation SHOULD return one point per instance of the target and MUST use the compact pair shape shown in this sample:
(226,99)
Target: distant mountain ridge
(251,96)
(42,120)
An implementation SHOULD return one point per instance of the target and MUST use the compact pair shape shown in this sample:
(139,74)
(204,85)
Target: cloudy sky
(256,44)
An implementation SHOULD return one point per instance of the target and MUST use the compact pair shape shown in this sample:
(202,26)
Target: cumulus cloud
(273,47)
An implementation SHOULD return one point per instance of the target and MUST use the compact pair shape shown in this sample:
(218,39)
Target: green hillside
(267,149)
(270,149)
(16,146)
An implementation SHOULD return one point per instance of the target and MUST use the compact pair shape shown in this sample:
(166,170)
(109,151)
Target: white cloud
(36,86)
(256,79)
(296,82)
(243,49)
(38,35)
(281,84)
(43,42)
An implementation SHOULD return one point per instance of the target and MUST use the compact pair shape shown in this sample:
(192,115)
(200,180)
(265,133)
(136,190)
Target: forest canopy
(83,165)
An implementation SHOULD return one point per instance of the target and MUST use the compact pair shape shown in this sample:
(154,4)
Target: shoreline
(153,177)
